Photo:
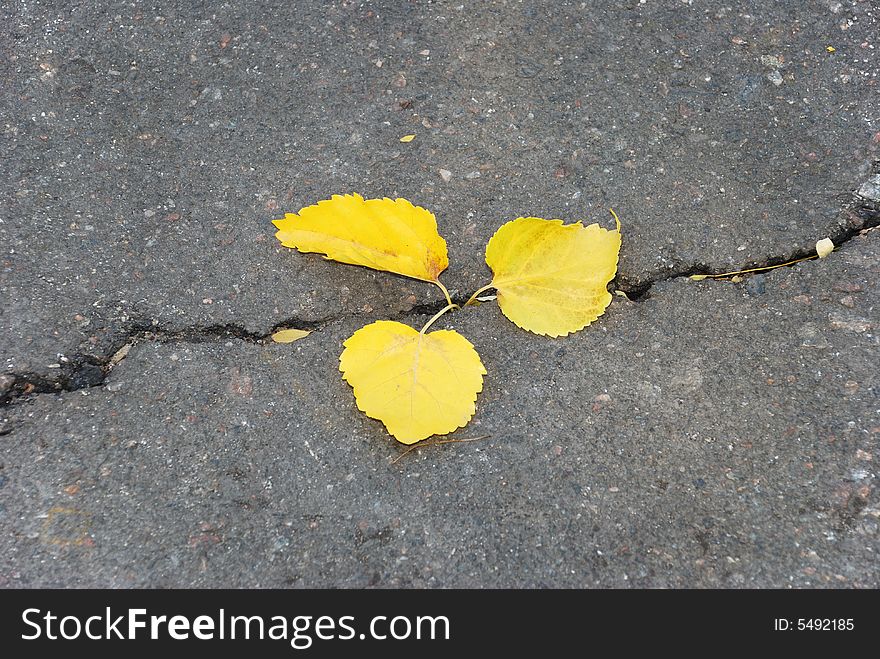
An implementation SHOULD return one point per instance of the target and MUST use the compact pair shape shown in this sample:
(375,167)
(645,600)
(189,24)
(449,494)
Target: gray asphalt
(702,434)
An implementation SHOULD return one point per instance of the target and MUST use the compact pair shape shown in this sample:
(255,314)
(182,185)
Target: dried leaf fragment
(407,138)
(551,278)
(384,234)
(417,384)
(289,335)
(824,247)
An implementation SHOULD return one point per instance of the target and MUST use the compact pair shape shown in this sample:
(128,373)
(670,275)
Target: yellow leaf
(551,278)
(699,277)
(289,335)
(407,138)
(383,234)
(824,247)
(417,384)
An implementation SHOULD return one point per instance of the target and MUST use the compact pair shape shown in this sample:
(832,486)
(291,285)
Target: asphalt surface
(708,433)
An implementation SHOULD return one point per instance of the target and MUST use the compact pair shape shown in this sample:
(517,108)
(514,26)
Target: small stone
(6,382)
(239,383)
(853,324)
(775,77)
(771,61)
(114,386)
(848,301)
(472,175)
(812,336)
(120,354)
(445,174)
(756,285)
(870,189)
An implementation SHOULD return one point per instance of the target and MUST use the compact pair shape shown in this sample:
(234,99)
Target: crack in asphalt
(81,371)
(860,216)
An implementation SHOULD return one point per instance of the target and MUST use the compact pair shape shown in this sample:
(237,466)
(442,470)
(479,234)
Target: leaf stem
(437,315)
(761,269)
(616,219)
(443,288)
(477,292)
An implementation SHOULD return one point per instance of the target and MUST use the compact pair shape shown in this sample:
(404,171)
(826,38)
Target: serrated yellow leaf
(551,278)
(407,138)
(384,234)
(289,335)
(417,384)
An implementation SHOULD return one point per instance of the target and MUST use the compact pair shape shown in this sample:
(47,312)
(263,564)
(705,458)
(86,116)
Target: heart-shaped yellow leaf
(551,278)
(383,234)
(417,384)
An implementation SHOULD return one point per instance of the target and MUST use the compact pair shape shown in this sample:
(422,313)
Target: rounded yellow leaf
(418,385)
(384,234)
(551,278)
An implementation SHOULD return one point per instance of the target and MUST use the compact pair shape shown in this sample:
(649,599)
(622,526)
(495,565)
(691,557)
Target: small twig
(438,442)
(736,273)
